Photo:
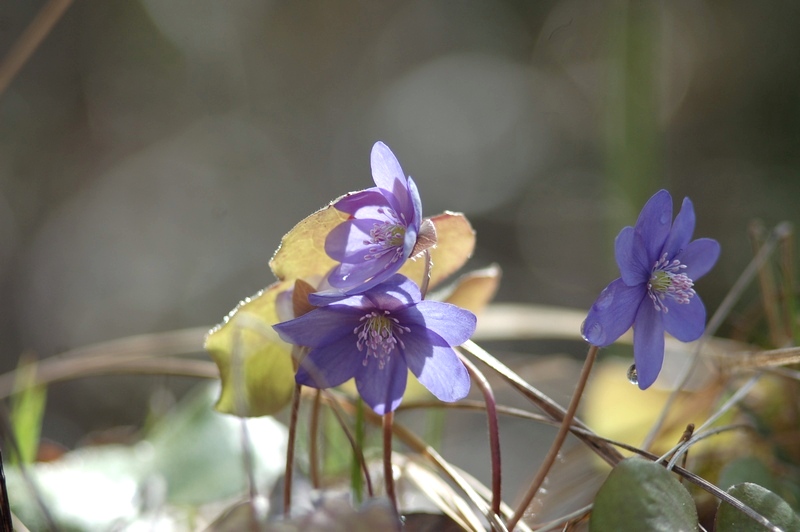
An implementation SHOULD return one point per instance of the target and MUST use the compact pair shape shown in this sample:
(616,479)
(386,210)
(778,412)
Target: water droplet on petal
(605,299)
(664,218)
(595,334)
(633,375)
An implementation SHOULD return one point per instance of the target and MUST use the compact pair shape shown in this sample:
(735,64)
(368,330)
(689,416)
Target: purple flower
(658,266)
(381,232)
(376,337)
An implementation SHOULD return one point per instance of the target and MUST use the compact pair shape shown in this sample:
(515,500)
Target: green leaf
(762,501)
(255,365)
(642,495)
(27,411)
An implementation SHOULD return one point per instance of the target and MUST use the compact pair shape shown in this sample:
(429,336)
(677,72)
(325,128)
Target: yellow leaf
(302,250)
(455,241)
(255,365)
(474,290)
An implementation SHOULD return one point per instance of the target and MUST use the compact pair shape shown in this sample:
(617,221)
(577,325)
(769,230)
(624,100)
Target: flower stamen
(666,280)
(385,237)
(379,334)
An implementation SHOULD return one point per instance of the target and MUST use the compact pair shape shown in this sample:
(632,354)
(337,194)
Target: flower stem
(287,476)
(388,473)
(494,430)
(313,443)
(552,454)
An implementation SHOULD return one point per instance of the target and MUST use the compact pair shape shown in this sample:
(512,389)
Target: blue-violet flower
(658,266)
(376,337)
(382,229)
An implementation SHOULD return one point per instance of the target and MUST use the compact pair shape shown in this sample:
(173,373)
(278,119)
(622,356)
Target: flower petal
(416,204)
(682,230)
(355,202)
(396,292)
(699,257)
(631,255)
(382,388)
(440,370)
(386,170)
(331,365)
(648,344)
(350,241)
(654,223)
(321,326)
(454,324)
(613,313)
(686,321)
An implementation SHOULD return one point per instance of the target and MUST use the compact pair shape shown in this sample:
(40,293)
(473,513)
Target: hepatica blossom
(655,292)
(376,337)
(382,229)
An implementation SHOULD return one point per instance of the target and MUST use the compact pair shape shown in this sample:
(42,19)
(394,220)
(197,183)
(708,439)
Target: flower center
(666,280)
(379,333)
(386,236)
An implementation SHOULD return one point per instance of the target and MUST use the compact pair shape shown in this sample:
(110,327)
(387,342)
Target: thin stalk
(287,477)
(494,430)
(722,312)
(388,472)
(552,454)
(542,401)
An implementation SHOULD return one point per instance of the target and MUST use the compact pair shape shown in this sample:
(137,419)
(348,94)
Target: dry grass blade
(131,352)
(438,492)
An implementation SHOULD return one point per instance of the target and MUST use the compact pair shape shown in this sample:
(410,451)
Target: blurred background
(153,153)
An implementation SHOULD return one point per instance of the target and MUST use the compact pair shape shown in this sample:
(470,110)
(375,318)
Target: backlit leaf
(474,290)
(302,250)
(455,241)
(255,365)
